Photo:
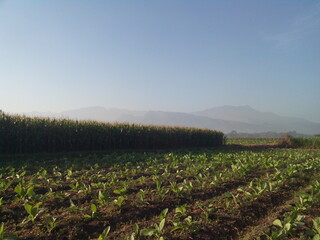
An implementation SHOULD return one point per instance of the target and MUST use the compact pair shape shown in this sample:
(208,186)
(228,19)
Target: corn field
(22,134)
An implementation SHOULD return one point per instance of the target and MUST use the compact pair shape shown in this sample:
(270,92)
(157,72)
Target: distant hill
(242,119)
(265,120)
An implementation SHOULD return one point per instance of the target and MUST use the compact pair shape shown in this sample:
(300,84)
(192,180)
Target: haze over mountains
(225,119)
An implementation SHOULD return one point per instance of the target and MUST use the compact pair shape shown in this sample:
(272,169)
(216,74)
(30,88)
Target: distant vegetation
(21,134)
(303,142)
(235,134)
(253,141)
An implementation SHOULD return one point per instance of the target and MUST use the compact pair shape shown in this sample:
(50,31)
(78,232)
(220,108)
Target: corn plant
(30,135)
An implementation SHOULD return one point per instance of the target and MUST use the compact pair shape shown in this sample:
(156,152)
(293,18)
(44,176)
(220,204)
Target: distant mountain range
(225,119)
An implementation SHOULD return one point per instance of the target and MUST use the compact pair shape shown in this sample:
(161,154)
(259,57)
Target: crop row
(21,134)
(149,196)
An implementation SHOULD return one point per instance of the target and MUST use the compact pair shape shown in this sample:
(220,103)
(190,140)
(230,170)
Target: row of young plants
(146,196)
(301,218)
(21,134)
(190,222)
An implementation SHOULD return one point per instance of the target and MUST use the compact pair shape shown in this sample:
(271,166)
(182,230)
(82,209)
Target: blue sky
(171,55)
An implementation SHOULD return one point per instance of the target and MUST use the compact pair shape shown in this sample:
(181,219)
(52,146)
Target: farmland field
(221,193)
(253,141)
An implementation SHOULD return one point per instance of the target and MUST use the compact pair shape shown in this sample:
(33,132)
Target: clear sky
(171,55)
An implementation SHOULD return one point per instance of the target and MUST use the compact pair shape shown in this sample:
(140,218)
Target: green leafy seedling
(142,195)
(93,211)
(52,223)
(119,201)
(33,211)
(316,229)
(2,231)
(157,231)
(2,237)
(104,234)
(4,185)
(103,197)
(20,190)
(181,210)
(136,232)
(120,191)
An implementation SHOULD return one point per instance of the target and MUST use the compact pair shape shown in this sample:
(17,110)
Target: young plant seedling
(157,231)
(316,226)
(51,223)
(120,191)
(94,211)
(4,185)
(2,237)
(33,211)
(136,232)
(103,197)
(104,234)
(119,201)
(2,231)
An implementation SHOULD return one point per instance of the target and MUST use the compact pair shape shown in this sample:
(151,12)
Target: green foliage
(21,134)
(251,141)
(33,211)
(287,227)
(103,197)
(2,237)
(4,184)
(2,231)
(158,229)
(94,211)
(51,223)
(104,234)
(303,142)
(119,201)
(200,187)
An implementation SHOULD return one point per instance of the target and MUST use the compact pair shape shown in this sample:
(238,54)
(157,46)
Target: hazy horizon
(56,114)
(179,56)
